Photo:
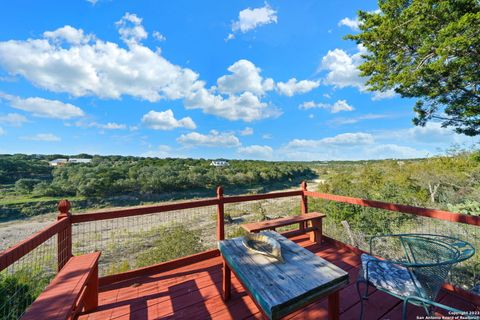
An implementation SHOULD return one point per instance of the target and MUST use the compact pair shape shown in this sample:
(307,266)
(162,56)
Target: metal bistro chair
(415,267)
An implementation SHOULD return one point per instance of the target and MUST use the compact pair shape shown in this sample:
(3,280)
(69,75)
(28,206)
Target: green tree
(25,185)
(428,50)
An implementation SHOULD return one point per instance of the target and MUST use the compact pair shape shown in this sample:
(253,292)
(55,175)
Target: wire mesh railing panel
(26,278)
(364,222)
(239,213)
(132,242)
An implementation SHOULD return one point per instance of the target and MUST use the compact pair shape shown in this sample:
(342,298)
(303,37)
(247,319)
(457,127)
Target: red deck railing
(112,222)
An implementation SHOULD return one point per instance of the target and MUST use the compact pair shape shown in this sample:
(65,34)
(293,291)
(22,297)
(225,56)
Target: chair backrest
(431,258)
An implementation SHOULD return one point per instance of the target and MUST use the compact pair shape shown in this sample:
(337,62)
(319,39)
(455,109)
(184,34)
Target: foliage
(236,232)
(19,290)
(10,286)
(176,241)
(470,207)
(116,175)
(20,166)
(449,182)
(25,185)
(426,49)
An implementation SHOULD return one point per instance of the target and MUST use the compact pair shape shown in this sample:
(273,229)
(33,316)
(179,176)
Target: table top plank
(278,287)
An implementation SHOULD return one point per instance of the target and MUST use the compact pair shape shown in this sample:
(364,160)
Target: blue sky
(235,79)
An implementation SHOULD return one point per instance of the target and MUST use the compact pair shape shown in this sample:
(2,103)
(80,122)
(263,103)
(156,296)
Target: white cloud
(82,66)
(246,132)
(379,95)
(342,71)
(352,120)
(432,133)
(112,126)
(68,60)
(237,96)
(256,151)
(338,106)
(131,29)
(230,36)
(68,34)
(166,121)
(249,19)
(343,139)
(2,132)
(245,77)
(354,23)
(350,139)
(292,86)
(45,108)
(310,105)
(347,146)
(158,36)
(393,151)
(341,105)
(351,23)
(246,107)
(48,137)
(104,126)
(13,119)
(343,68)
(212,139)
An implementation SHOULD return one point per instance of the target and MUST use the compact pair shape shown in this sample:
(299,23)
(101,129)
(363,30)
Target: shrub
(25,185)
(176,241)
(19,290)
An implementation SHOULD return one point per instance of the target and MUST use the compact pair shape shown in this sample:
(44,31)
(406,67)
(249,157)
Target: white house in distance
(62,161)
(78,160)
(219,163)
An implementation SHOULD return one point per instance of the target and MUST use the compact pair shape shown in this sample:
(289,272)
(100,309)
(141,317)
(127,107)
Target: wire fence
(239,213)
(354,225)
(132,242)
(26,278)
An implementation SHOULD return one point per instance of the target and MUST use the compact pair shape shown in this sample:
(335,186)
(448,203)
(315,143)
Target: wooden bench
(74,288)
(314,218)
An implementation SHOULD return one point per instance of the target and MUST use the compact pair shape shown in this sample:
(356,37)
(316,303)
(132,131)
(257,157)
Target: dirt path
(14,231)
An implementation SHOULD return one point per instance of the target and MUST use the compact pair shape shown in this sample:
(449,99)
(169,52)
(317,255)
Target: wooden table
(278,288)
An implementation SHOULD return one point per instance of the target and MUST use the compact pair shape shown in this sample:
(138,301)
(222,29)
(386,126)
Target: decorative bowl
(262,244)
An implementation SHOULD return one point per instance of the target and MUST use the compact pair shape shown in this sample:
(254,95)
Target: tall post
(304,204)
(304,208)
(64,237)
(220,215)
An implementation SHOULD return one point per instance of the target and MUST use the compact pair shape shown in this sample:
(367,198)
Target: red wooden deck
(194,292)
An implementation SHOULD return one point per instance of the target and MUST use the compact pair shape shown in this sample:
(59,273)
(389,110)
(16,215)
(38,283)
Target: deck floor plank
(194,292)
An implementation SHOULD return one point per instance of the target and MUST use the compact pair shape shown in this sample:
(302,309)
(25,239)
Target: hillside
(29,186)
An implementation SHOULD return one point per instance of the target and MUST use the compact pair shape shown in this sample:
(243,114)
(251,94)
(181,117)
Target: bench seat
(314,217)
(74,287)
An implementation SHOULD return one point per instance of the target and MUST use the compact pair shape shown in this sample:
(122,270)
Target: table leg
(227,276)
(334,306)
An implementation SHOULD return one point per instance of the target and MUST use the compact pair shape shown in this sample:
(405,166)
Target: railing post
(220,215)
(64,238)
(304,204)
